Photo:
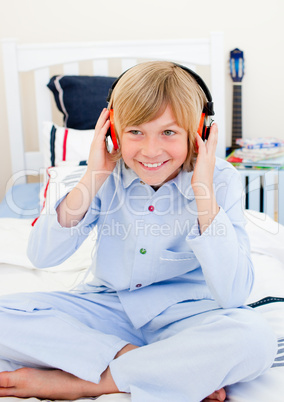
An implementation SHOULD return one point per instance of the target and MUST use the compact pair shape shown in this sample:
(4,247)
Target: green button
(143,251)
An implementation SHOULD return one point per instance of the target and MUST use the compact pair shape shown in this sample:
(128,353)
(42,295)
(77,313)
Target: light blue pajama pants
(184,358)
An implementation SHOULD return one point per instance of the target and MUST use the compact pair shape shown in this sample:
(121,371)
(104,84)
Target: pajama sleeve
(223,249)
(50,244)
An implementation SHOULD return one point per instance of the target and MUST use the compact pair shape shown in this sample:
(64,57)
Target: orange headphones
(204,124)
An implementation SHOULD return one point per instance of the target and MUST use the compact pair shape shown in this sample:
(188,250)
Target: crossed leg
(57,384)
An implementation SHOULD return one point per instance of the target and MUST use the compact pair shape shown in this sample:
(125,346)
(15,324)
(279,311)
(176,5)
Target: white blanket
(267,240)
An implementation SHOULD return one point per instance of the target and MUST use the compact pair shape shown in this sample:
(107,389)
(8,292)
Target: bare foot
(51,384)
(217,396)
(55,384)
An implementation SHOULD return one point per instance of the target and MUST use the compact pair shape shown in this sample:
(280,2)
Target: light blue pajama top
(149,248)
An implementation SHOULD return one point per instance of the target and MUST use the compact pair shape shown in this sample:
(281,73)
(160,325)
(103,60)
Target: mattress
(18,274)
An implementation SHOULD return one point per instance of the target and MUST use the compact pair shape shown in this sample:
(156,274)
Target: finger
(99,139)
(213,137)
(102,119)
(101,129)
(199,143)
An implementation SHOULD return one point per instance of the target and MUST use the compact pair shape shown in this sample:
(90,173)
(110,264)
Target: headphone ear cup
(112,131)
(201,125)
(206,131)
(110,139)
(203,129)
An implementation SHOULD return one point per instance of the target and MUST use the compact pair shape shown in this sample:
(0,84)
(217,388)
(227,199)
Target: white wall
(255,26)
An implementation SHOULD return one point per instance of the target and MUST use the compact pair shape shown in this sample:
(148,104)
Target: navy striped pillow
(80,98)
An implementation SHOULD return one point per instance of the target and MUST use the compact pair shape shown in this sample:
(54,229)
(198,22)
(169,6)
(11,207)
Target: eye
(169,133)
(135,132)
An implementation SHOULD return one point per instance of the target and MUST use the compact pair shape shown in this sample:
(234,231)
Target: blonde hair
(144,92)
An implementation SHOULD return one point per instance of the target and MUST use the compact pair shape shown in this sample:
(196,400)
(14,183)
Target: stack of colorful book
(259,153)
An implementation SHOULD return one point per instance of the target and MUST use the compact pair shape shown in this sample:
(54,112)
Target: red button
(138,285)
(151,208)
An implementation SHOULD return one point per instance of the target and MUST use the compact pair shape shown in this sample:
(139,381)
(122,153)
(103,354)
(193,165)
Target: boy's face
(155,150)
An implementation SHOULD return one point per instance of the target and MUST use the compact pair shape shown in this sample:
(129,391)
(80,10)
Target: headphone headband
(208,109)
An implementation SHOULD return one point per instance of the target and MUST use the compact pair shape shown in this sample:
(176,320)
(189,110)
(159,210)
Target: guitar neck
(237,131)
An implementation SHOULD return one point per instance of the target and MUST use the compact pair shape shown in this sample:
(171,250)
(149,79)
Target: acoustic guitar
(237,74)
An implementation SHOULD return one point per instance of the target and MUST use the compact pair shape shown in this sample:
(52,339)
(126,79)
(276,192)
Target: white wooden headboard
(265,190)
(38,58)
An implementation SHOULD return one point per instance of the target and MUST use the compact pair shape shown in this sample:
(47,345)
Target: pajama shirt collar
(182,181)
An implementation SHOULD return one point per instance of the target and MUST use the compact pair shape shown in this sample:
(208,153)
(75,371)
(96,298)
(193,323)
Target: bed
(58,163)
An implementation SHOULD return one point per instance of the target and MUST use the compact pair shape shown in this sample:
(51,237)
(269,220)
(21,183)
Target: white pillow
(14,233)
(61,180)
(65,144)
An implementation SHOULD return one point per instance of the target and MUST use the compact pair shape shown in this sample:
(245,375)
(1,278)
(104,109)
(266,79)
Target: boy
(163,316)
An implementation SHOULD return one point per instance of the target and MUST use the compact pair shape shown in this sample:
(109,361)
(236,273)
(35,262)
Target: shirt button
(138,285)
(143,251)
(142,182)
(151,208)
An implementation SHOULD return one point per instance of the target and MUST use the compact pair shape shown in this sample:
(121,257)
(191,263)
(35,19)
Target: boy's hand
(100,160)
(202,179)
(204,168)
(100,165)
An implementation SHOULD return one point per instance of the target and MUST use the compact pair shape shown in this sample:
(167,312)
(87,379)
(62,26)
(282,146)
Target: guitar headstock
(237,67)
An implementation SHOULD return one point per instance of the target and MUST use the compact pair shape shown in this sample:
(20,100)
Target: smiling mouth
(152,165)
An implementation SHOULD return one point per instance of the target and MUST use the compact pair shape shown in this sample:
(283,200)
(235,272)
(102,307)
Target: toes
(216,396)
(210,400)
(6,387)
(6,392)
(6,379)
(221,394)
(9,381)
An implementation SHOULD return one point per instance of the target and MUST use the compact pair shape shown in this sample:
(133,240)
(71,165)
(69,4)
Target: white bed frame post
(13,99)
(38,58)
(271,183)
(281,196)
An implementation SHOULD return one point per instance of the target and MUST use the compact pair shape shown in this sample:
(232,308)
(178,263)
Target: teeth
(151,165)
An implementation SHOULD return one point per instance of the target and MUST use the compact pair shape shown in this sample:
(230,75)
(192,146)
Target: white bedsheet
(17,274)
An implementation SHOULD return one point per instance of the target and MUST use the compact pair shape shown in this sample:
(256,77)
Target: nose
(151,147)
